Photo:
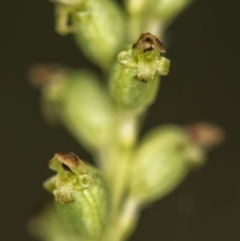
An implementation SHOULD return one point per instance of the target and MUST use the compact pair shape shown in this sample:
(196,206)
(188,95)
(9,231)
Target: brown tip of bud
(68,159)
(205,134)
(40,75)
(148,42)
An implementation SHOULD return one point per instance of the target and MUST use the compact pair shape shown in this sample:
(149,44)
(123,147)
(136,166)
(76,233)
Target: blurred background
(204,84)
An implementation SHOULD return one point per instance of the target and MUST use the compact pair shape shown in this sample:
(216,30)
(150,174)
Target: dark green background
(204,84)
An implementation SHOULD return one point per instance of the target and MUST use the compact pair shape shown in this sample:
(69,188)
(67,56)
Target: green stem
(125,223)
(115,158)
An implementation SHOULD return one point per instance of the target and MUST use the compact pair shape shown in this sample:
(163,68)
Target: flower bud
(82,206)
(134,82)
(161,162)
(98,26)
(81,103)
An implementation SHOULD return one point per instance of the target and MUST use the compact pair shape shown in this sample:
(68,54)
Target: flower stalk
(104,114)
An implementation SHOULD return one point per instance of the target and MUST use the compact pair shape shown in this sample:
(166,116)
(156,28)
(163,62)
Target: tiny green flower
(82,197)
(145,56)
(98,26)
(72,174)
(134,81)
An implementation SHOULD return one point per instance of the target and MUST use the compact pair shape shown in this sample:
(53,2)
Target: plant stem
(125,222)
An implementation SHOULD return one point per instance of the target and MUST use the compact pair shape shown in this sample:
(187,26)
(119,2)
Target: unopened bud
(162,161)
(80,102)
